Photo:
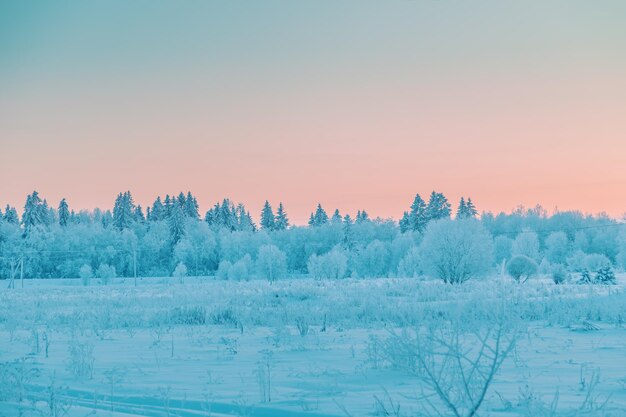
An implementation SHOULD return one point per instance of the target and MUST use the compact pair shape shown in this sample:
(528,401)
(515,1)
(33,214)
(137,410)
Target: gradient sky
(353,104)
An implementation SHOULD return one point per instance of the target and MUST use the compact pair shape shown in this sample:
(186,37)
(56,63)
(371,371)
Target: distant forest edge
(171,239)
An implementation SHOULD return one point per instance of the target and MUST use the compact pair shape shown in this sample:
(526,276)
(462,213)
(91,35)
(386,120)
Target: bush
(271,262)
(240,270)
(596,262)
(410,265)
(456,250)
(180,271)
(605,276)
(333,264)
(86,274)
(559,274)
(106,273)
(223,269)
(521,268)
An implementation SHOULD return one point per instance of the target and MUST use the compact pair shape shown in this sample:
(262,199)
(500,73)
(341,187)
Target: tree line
(171,236)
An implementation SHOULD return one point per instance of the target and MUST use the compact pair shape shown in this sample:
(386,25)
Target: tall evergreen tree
(191,206)
(336,219)
(418,216)
(139,214)
(348,238)
(267,217)
(405,222)
(158,211)
(470,208)
(244,219)
(123,211)
(461,211)
(10,215)
(438,207)
(282,221)
(362,216)
(176,222)
(167,206)
(34,212)
(64,213)
(320,218)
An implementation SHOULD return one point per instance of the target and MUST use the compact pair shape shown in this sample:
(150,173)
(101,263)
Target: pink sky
(529,110)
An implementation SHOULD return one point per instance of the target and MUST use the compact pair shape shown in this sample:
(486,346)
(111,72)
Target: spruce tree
(438,207)
(405,222)
(418,217)
(123,211)
(158,211)
(470,208)
(282,221)
(191,206)
(176,223)
(33,212)
(267,217)
(10,215)
(312,220)
(336,219)
(461,211)
(64,213)
(139,214)
(321,217)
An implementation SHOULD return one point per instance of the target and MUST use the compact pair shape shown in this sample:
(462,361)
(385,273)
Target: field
(302,347)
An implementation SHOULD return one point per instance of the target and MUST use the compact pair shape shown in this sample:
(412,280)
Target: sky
(353,104)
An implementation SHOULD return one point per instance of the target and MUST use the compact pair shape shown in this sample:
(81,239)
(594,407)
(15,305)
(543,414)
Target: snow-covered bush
(456,250)
(223,269)
(180,271)
(271,262)
(411,264)
(527,244)
(86,274)
(241,270)
(333,264)
(106,273)
(81,359)
(521,268)
(596,261)
(559,273)
(605,276)
(557,247)
(373,260)
(502,248)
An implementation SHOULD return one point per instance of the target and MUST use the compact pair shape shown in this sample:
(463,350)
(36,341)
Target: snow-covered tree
(64,213)
(157,212)
(319,218)
(191,206)
(35,213)
(123,211)
(336,219)
(267,217)
(271,262)
(176,223)
(10,215)
(418,216)
(438,207)
(456,250)
(282,221)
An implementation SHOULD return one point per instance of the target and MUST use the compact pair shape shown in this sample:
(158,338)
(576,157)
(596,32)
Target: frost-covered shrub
(411,264)
(241,270)
(223,269)
(373,260)
(559,273)
(106,273)
(521,268)
(557,247)
(527,244)
(596,261)
(190,315)
(333,264)
(606,276)
(271,262)
(86,274)
(456,250)
(502,248)
(180,271)
(81,359)
(585,277)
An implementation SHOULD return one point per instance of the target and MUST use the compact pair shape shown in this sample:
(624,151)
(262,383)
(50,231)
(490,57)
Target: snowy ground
(293,348)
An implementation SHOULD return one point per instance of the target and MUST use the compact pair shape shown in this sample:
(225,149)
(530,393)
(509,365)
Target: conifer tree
(461,211)
(312,220)
(405,222)
(176,223)
(34,214)
(267,217)
(64,213)
(348,238)
(167,205)
(139,214)
(336,219)
(158,211)
(10,215)
(320,217)
(438,207)
(418,216)
(123,211)
(470,208)
(282,221)
(191,206)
